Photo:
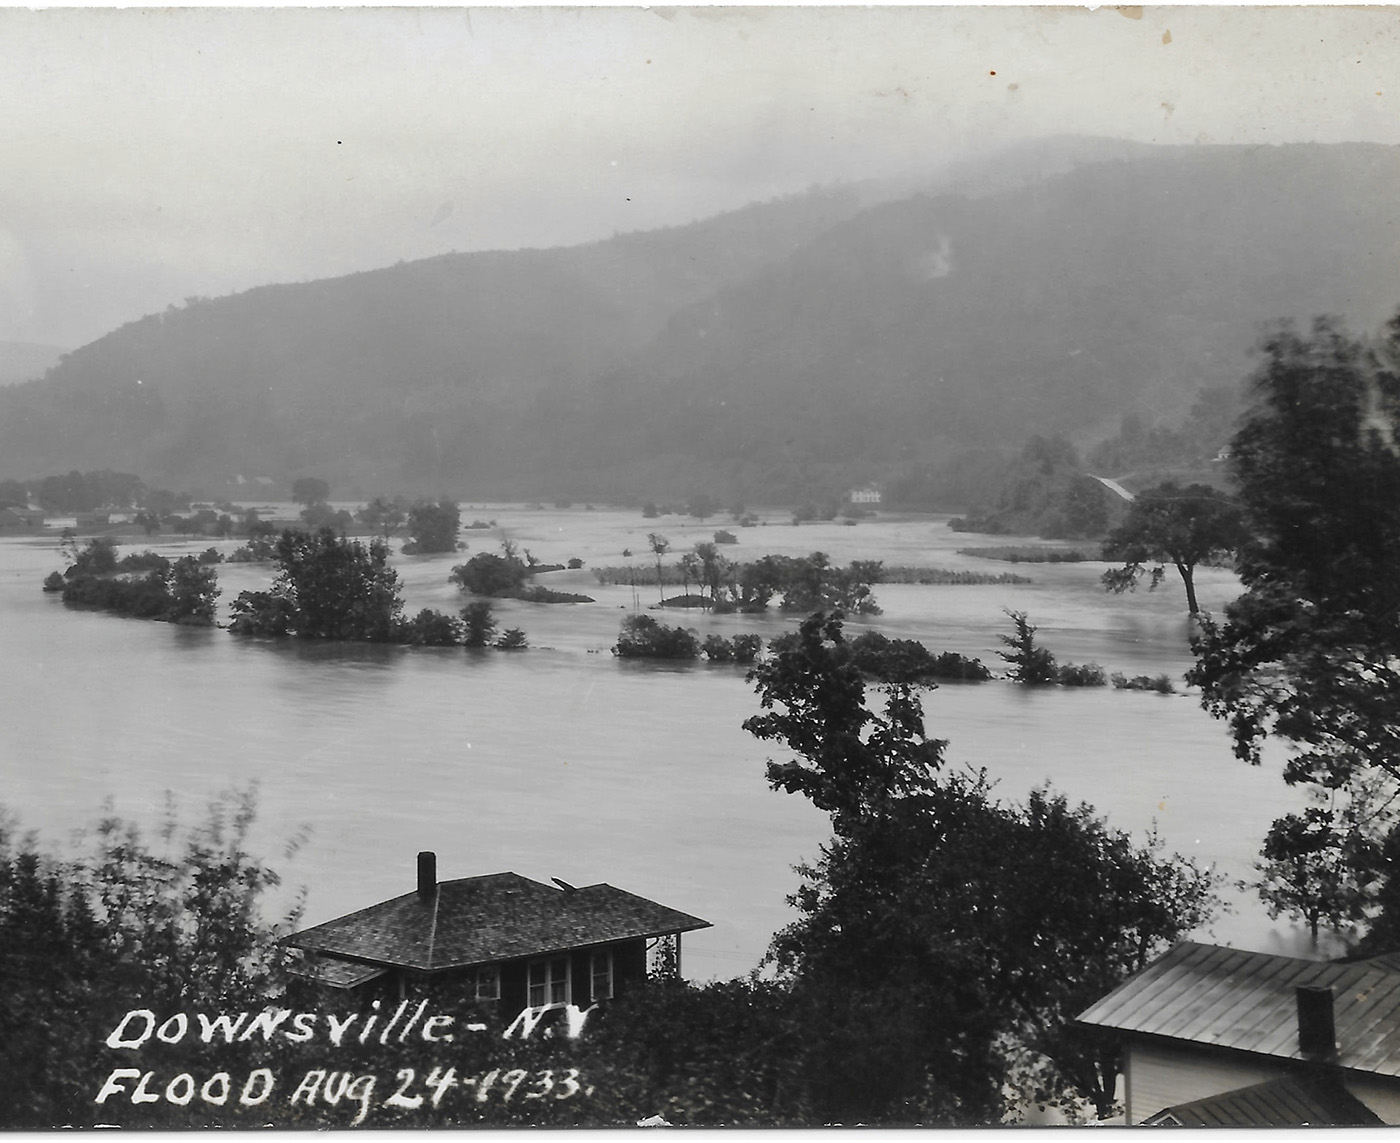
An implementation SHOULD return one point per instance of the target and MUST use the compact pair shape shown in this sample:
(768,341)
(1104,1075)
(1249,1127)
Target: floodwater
(562,761)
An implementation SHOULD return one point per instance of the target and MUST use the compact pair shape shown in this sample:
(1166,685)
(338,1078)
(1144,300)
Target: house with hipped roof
(1227,1037)
(511,942)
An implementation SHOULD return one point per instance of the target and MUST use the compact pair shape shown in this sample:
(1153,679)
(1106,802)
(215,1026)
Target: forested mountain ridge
(788,349)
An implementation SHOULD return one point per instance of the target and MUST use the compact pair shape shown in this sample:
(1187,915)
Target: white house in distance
(1218,1036)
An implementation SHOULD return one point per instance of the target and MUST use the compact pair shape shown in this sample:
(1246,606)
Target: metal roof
(1291,1101)
(481,920)
(1231,998)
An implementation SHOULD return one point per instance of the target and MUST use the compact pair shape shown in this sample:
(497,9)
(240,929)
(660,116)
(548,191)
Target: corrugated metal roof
(1232,998)
(1292,1101)
(481,920)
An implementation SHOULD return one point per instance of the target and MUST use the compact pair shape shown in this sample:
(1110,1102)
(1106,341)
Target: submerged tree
(326,587)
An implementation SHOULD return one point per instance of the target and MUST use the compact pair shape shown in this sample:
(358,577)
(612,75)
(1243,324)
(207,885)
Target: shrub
(642,637)
(54,581)
(431,628)
(479,622)
(210,556)
(951,665)
(489,574)
(1085,675)
(539,594)
(1162,684)
(512,639)
(724,536)
(262,613)
(740,649)
(575,563)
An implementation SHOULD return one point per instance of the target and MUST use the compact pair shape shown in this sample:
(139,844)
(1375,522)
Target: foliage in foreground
(168,926)
(943,947)
(1310,652)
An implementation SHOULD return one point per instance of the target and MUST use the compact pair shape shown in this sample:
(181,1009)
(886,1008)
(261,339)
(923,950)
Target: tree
(326,587)
(1186,526)
(433,527)
(383,516)
(942,949)
(480,623)
(1030,663)
(489,574)
(660,545)
(1310,651)
(309,490)
(193,592)
(856,761)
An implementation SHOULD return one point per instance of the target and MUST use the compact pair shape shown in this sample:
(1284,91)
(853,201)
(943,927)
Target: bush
(489,574)
(262,613)
(951,665)
(210,556)
(724,536)
(575,564)
(479,623)
(539,594)
(1162,684)
(1086,675)
(642,637)
(512,639)
(54,581)
(740,649)
(432,629)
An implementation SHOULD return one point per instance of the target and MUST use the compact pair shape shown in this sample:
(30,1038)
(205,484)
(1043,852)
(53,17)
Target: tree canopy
(1310,651)
(1170,524)
(942,948)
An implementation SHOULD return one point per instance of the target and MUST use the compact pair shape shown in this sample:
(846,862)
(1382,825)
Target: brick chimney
(427,875)
(1317,1030)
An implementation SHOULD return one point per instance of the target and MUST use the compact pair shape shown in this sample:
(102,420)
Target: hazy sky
(150,155)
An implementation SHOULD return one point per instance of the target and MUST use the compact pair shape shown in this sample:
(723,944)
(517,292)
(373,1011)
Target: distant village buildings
(866,495)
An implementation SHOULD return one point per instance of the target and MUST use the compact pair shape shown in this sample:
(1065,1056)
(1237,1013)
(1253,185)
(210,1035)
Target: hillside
(783,350)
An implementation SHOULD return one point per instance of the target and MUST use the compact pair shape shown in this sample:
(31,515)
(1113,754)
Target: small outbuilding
(508,940)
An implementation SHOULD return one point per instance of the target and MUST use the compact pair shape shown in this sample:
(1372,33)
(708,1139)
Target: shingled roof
(483,920)
(1230,998)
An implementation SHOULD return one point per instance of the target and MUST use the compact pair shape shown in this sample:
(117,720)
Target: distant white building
(867,495)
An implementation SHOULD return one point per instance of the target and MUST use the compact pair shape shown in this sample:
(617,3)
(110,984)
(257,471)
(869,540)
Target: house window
(601,966)
(549,982)
(488,983)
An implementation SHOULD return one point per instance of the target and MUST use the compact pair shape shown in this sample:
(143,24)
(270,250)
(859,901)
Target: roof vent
(427,875)
(1317,1031)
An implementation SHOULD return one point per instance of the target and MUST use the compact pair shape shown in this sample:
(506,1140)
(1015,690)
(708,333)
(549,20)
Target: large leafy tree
(1185,527)
(942,947)
(1310,652)
(326,587)
(433,527)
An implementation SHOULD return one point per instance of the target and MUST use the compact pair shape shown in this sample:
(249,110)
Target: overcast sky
(151,155)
